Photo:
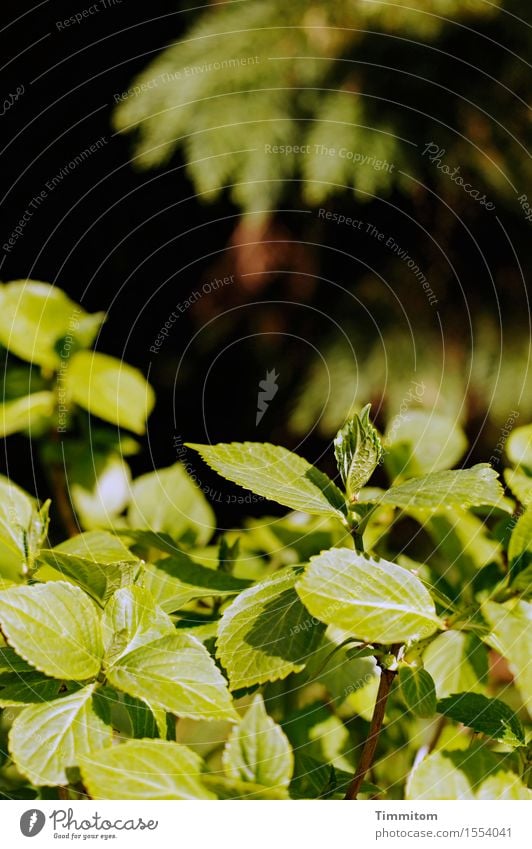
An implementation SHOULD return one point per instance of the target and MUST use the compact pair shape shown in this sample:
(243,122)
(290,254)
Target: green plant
(340,651)
(55,389)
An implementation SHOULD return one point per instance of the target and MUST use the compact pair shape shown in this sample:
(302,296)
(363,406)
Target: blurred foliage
(255,74)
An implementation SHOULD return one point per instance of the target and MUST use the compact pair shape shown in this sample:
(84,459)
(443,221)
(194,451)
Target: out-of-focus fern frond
(256,90)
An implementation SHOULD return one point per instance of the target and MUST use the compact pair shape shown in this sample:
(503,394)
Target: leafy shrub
(373,642)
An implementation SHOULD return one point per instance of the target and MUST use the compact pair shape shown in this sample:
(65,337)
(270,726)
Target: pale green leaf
(504,786)
(103,492)
(421,441)
(177,580)
(511,636)
(130,620)
(28,413)
(519,447)
(487,716)
(476,773)
(460,537)
(110,389)
(417,688)
(374,600)
(463,488)
(258,750)
(436,778)
(177,674)
(35,315)
(18,514)
(457,662)
(276,474)
(97,561)
(144,769)
(169,501)
(358,451)
(520,483)
(266,633)
(54,627)
(98,547)
(233,788)
(520,547)
(47,739)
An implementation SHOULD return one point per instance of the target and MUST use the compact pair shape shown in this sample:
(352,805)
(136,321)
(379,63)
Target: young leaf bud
(358,452)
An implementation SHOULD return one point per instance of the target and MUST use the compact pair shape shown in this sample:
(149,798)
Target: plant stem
(440,725)
(62,500)
(368,752)
(58,483)
(358,540)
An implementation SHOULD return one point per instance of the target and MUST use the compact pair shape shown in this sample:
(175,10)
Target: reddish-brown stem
(62,500)
(370,746)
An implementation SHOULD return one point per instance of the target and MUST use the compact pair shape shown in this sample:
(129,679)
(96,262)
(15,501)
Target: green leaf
(519,447)
(266,633)
(520,483)
(233,788)
(177,580)
(19,519)
(148,540)
(475,773)
(10,661)
(460,538)
(144,769)
(374,600)
(99,487)
(437,778)
(504,785)
(276,474)
(464,488)
(488,716)
(32,686)
(422,441)
(97,561)
(511,636)
(35,315)
(177,674)
(142,718)
(110,389)
(258,751)
(358,451)
(457,662)
(130,620)
(520,547)
(169,501)
(27,413)
(97,547)
(312,779)
(54,627)
(47,739)
(417,688)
